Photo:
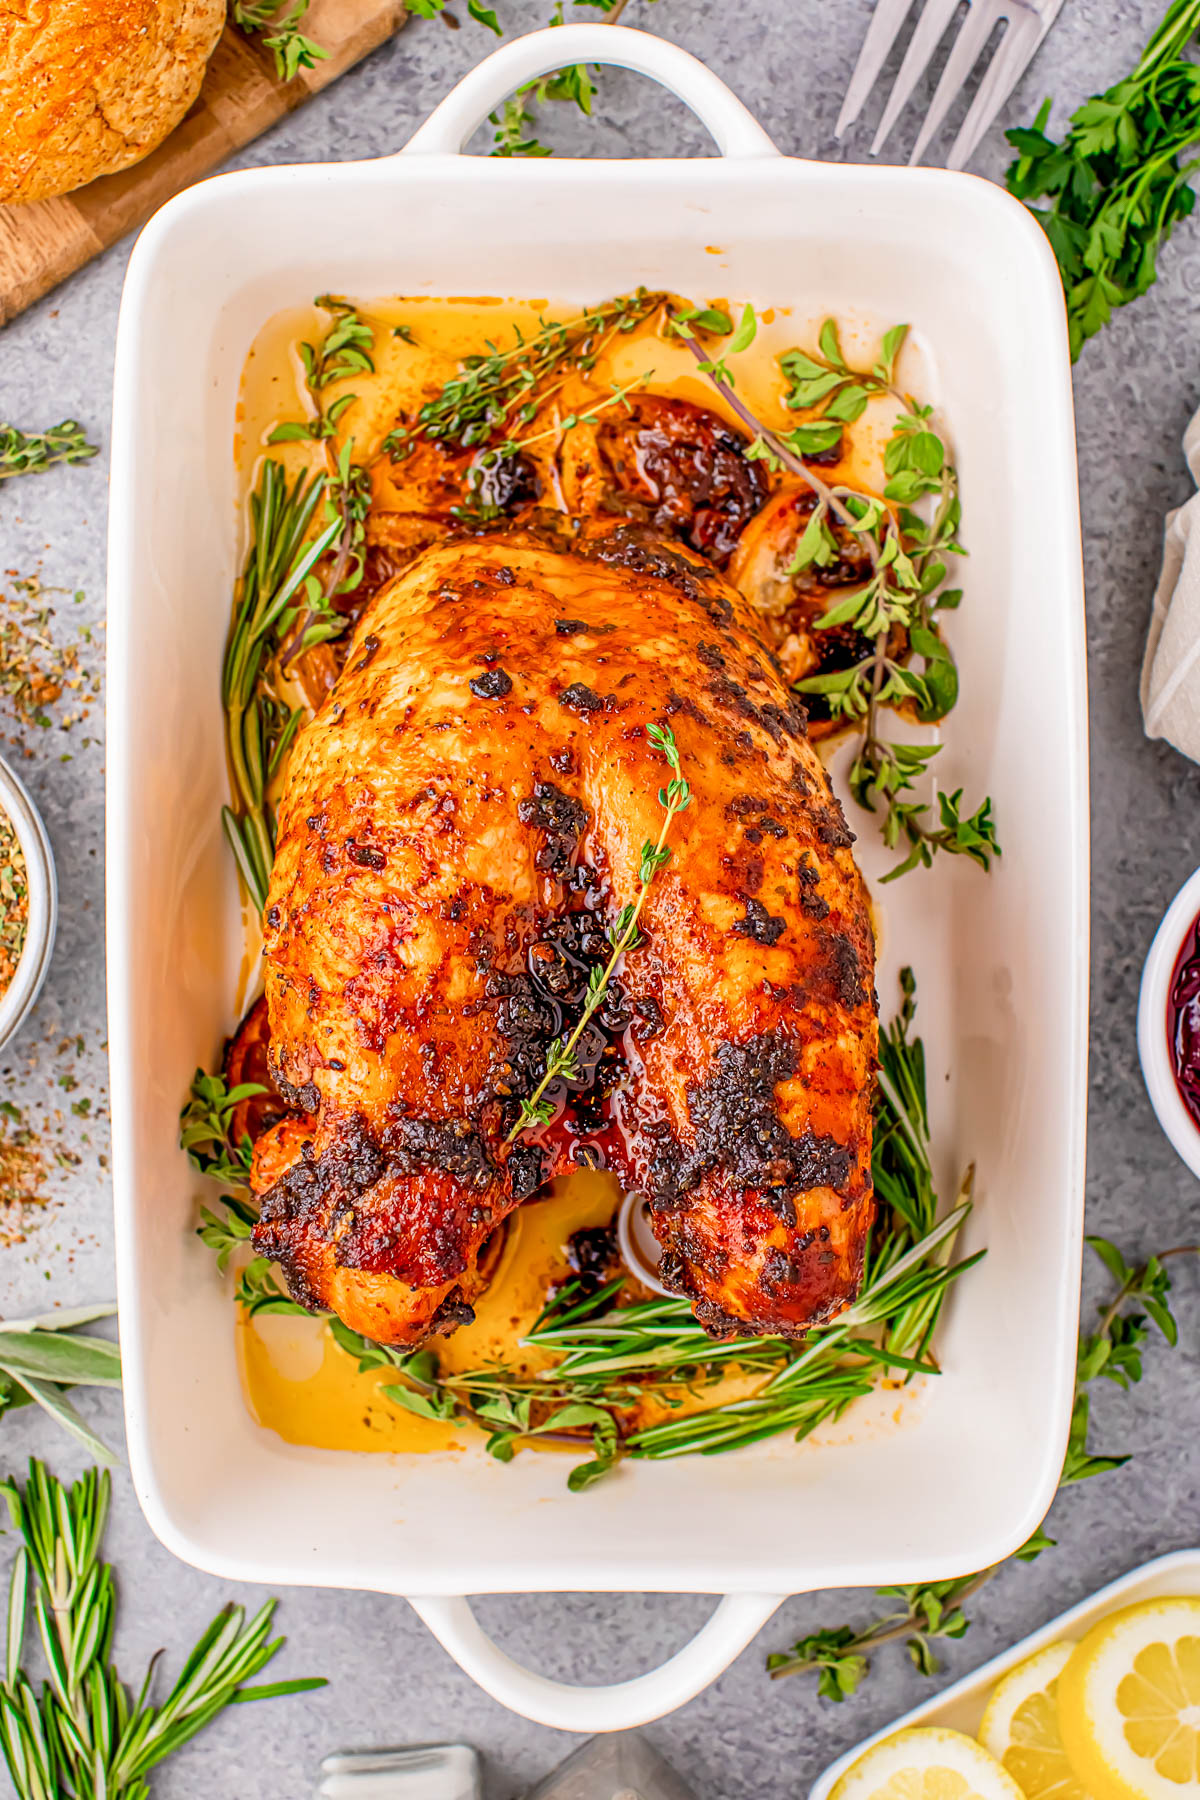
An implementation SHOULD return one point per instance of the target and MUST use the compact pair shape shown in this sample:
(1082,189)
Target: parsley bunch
(907,535)
(1116,184)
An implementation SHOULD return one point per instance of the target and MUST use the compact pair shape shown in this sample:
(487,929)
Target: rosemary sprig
(615,1356)
(562,1062)
(29,452)
(87,1737)
(840,1656)
(344,351)
(896,608)
(258,726)
(280,32)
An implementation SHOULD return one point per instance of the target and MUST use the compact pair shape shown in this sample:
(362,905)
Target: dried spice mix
(14,902)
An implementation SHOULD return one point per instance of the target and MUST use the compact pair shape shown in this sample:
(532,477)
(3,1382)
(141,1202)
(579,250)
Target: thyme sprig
(280,32)
(516,119)
(29,452)
(562,1062)
(86,1736)
(494,394)
(897,607)
(840,1656)
(484,474)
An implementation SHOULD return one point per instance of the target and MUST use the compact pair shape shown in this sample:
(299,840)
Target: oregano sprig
(206,1127)
(623,935)
(684,321)
(840,1656)
(896,607)
(280,32)
(487,463)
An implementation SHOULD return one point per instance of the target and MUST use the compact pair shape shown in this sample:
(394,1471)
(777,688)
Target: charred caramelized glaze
(461,822)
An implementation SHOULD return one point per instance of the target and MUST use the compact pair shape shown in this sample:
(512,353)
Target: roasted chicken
(461,823)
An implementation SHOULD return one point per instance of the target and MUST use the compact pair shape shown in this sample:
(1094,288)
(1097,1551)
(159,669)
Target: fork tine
(978,26)
(931,28)
(1016,50)
(882,32)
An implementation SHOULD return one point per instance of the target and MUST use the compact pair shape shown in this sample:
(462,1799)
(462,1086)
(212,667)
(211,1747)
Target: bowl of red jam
(1169,1023)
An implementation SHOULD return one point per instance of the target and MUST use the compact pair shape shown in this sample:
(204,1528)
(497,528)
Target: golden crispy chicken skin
(461,822)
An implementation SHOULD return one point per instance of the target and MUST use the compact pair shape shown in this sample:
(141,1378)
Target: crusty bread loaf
(90,86)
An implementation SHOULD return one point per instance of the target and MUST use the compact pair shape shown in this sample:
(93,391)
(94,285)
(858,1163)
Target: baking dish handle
(450,125)
(618,1707)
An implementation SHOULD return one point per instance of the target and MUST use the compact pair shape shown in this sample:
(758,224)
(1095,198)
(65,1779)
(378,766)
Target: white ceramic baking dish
(961,1707)
(1002,960)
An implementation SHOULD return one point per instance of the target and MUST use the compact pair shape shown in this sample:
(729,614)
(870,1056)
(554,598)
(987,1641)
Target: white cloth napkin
(1170,688)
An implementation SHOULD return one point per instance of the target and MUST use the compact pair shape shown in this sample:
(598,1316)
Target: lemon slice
(1020,1727)
(927,1763)
(1129,1703)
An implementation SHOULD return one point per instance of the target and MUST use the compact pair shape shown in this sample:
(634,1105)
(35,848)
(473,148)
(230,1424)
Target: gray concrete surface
(389,1682)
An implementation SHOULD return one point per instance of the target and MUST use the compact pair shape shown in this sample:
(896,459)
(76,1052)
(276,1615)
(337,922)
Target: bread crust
(88,87)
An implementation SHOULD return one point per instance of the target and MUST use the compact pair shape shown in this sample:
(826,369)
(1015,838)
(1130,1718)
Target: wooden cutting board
(42,243)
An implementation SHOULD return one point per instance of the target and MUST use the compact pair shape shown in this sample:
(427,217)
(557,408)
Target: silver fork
(1026,24)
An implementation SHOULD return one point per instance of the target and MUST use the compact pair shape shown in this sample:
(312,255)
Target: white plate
(961,1707)
(1002,960)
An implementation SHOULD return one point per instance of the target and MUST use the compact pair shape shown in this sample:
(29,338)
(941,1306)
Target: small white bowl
(18,998)
(1154,1041)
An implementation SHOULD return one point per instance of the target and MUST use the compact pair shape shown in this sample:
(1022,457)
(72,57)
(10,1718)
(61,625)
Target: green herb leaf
(86,1734)
(937,1611)
(28,453)
(1116,184)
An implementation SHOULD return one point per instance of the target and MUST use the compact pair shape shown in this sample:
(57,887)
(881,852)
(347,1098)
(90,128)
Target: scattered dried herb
(38,668)
(22,1173)
(14,902)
